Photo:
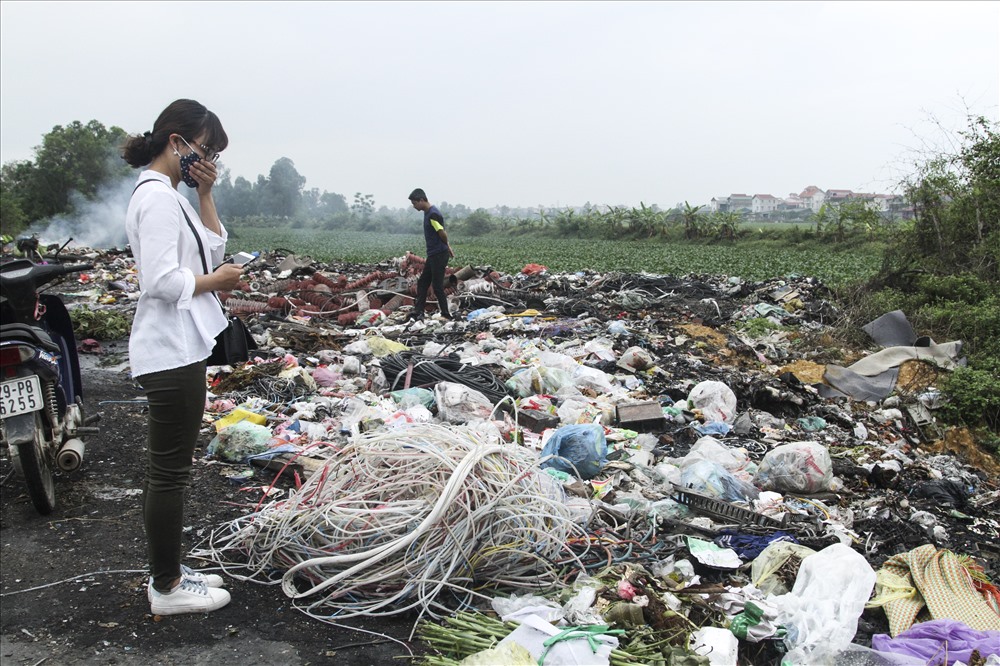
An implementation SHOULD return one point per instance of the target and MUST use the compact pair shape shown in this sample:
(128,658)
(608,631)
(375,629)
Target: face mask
(186,163)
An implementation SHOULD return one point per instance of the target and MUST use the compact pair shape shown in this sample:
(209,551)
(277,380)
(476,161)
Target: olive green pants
(176,404)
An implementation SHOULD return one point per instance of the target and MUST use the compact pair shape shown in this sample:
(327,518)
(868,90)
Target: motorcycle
(41,396)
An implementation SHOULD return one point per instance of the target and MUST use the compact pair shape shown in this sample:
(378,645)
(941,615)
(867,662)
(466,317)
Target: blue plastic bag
(582,444)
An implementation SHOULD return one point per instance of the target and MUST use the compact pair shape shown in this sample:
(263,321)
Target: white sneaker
(209,579)
(188,597)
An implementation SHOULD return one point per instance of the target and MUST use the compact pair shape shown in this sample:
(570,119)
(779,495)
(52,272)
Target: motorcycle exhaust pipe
(70,455)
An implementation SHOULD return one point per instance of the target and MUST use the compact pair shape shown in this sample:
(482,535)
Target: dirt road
(73,582)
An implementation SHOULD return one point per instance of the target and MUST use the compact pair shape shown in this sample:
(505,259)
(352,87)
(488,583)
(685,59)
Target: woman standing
(176,321)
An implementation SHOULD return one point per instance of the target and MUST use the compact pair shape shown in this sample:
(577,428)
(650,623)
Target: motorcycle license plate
(19,396)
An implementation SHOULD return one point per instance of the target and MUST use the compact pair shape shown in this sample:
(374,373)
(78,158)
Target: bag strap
(201,247)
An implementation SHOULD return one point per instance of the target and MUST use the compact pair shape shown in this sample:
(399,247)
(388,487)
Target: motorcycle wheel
(36,470)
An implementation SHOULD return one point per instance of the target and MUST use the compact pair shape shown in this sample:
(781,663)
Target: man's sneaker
(188,597)
(210,579)
(415,316)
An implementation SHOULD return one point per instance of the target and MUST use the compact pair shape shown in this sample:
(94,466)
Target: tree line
(76,162)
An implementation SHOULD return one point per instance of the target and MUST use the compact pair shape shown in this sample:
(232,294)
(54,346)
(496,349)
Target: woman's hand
(226,277)
(205,173)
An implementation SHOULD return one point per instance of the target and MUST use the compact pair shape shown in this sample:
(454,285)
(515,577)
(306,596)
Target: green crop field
(753,261)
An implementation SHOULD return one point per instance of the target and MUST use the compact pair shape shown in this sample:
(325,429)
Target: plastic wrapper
(802,467)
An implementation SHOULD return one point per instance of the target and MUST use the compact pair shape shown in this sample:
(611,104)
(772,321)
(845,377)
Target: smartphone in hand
(241,258)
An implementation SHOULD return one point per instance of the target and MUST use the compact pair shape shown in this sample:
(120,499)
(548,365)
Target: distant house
(792,202)
(812,198)
(763,204)
(719,204)
(878,202)
(838,196)
(738,202)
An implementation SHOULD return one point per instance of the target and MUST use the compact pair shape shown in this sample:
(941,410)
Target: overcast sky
(521,103)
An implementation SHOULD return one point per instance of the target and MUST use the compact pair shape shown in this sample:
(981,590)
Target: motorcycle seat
(30,334)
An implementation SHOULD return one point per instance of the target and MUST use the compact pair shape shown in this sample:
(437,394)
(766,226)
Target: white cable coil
(396,519)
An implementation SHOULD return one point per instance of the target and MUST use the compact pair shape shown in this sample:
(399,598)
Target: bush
(974,395)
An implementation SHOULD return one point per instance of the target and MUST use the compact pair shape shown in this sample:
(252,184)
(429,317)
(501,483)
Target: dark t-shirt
(433,221)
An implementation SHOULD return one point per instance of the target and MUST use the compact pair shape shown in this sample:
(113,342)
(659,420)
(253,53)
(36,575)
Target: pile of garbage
(600,468)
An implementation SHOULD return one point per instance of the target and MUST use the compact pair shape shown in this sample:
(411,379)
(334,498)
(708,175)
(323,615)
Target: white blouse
(172,327)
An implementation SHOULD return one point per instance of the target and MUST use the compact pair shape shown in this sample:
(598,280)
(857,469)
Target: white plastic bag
(635,359)
(534,631)
(458,403)
(715,400)
(798,467)
(719,645)
(709,448)
(823,608)
(516,607)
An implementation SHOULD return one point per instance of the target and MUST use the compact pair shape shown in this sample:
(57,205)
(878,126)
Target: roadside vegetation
(939,266)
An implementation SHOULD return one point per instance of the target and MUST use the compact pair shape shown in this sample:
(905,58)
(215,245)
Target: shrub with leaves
(974,395)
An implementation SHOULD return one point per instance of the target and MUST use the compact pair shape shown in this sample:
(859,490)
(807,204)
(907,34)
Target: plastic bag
(514,608)
(533,381)
(414,396)
(928,640)
(709,448)
(238,442)
(719,645)
(825,603)
(533,632)
(715,400)
(585,377)
(369,318)
(802,467)
(508,654)
(577,412)
(583,445)
(458,403)
(766,565)
(714,480)
(635,359)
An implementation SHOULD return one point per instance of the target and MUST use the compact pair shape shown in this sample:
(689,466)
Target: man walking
(438,252)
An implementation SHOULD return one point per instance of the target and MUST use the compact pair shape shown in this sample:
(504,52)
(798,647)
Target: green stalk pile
(465,634)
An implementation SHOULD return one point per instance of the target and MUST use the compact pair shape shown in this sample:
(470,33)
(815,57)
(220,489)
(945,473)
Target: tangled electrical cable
(425,370)
(418,518)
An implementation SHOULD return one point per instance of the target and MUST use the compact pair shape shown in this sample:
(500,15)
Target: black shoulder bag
(235,343)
